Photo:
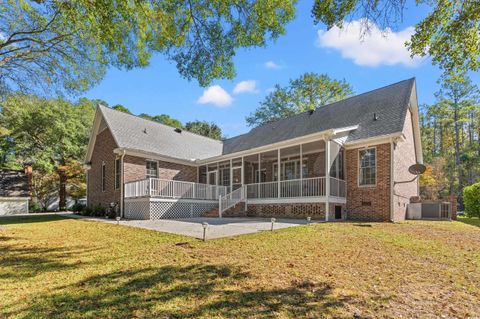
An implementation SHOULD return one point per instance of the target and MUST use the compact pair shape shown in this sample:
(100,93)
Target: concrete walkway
(192,227)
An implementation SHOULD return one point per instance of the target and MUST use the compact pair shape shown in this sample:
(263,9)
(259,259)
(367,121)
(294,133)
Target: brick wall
(135,169)
(102,152)
(378,196)
(404,156)
(294,210)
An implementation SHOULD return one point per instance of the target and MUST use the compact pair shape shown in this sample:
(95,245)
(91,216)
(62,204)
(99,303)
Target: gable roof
(13,183)
(136,133)
(389,104)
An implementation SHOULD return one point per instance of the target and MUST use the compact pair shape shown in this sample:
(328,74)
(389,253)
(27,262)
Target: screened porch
(298,171)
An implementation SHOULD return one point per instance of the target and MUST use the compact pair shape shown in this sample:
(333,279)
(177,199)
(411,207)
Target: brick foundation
(300,210)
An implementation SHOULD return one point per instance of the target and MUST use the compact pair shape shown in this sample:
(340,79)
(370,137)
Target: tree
(448,34)
(204,128)
(121,108)
(67,45)
(308,92)
(471,195)
(164,119)
(450,132)
(50,134)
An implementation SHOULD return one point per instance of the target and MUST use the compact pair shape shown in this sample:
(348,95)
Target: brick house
(340,161)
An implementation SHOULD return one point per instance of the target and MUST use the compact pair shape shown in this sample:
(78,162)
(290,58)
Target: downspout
(122,186)
(392,183)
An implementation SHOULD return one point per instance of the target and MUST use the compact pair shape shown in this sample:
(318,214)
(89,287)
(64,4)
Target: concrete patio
(217,227)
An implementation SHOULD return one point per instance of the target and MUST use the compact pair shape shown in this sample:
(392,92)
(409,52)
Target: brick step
(211,213)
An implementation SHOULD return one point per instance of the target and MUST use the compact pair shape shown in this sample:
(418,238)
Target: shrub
(471,200)
(98,211)
(77,207)
(87,211)
(34,207)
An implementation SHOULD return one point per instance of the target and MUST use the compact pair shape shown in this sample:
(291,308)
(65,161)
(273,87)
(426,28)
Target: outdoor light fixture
(204,225)
(118,220)
(273,222)
(308,220)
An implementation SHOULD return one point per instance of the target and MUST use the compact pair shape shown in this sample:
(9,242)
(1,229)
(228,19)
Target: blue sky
(375,62)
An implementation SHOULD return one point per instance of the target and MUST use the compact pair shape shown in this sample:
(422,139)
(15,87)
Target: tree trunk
(457,154)
(62,193)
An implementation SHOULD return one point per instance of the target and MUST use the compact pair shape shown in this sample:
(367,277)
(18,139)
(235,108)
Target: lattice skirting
(147,209)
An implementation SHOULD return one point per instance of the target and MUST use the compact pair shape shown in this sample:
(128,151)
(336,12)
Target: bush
(87,211)
(33,207)
(471,200)
(98,211)
(77,207)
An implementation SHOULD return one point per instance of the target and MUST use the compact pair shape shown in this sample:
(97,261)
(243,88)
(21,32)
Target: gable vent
(145,130)
(375,117)
(310,111)
(178,130)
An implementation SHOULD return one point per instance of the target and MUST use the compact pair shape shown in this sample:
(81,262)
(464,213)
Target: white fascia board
(93,134)
(345,129)
(154,156)
(416,125)
(373,140)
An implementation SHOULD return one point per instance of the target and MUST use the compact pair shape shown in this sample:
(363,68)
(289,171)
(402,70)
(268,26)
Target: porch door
(212,178)
(236,178)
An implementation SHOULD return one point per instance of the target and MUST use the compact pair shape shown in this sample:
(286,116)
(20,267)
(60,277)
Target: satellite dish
(417,169)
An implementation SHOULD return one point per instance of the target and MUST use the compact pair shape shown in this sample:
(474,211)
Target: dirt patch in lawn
(64,268)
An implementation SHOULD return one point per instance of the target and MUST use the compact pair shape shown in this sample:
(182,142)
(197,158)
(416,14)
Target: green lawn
(63,268)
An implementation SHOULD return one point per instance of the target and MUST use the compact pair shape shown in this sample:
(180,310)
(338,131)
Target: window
(152,169)
(103,177)
(367,167)
(117,173)
(290,170)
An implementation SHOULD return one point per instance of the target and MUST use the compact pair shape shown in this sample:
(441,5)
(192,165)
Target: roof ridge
(330,104)
(158,123)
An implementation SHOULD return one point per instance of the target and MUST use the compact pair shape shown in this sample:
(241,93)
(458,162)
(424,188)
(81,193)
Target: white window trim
(358,167)
(151,160)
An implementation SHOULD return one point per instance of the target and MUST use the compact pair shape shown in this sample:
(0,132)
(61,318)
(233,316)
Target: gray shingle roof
(389,103)
(136,133)
(13,183)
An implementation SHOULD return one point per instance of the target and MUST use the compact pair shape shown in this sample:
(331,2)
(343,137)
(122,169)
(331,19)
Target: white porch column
(231,176)
(242,178)
(278,172)
(301,170)
(327,179)
(259,176)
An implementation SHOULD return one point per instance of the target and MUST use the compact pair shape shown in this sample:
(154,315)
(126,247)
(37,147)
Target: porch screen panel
(313,169)
(290,179)
(268,188)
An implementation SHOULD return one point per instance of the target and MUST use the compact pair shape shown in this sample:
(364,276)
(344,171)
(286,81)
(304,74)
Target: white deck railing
(231,199)
(305,187)
(155,187)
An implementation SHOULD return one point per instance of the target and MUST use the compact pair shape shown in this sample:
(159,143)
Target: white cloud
(215,95)
(249,86)
(272,65)
(375,48)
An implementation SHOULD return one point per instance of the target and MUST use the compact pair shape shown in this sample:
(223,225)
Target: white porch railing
(231,199)
(155,187)
(306,187)
(337,187)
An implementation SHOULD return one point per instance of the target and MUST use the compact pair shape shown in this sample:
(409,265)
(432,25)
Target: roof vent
(145,130)
(375,117)
(311,111)
(178,130)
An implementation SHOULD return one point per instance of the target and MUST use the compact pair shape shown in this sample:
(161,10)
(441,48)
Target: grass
(63,268)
